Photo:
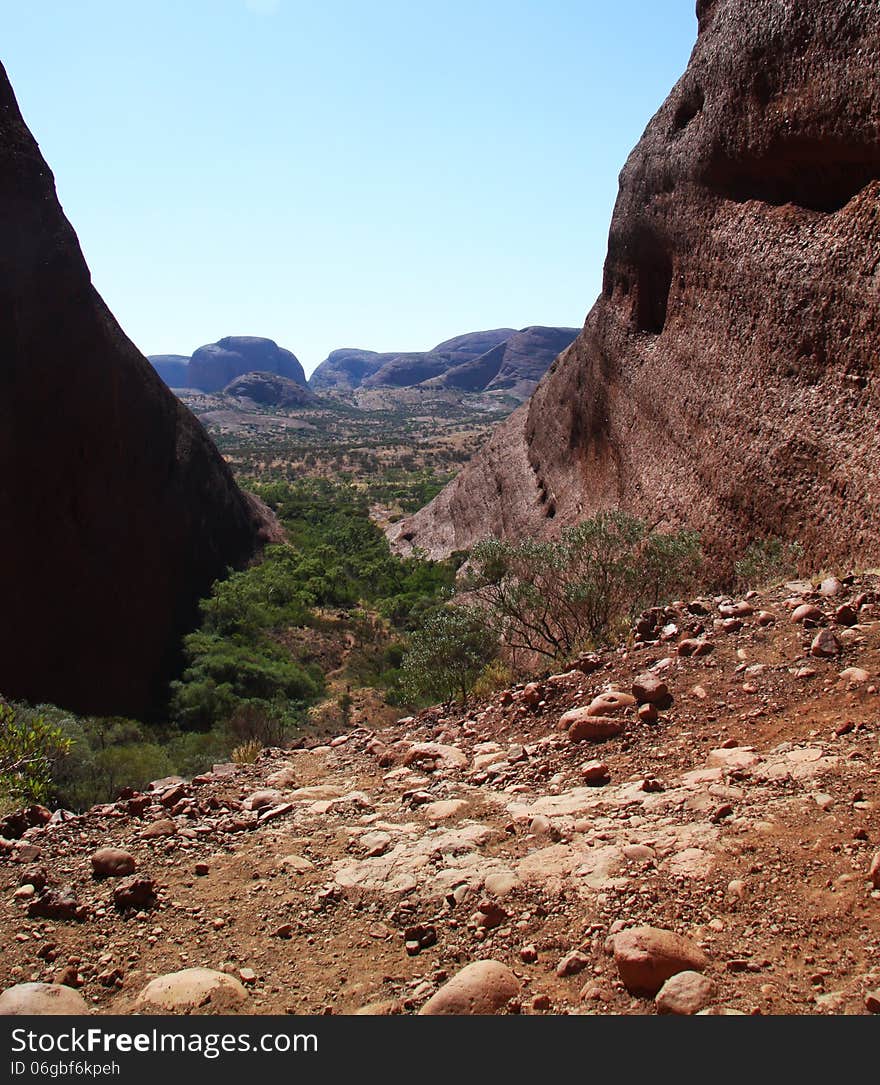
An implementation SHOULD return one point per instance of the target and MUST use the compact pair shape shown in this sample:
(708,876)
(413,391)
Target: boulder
(44,999)
(191,988)
(481,988)
(112,863)
(646,957)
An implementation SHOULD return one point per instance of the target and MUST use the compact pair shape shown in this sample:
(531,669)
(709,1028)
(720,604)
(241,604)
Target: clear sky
(334,173)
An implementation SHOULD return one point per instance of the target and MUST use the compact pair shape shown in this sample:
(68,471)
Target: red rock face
(117,511)
(727,378)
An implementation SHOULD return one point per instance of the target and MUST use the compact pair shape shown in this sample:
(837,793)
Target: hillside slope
(360,875)
(727,377)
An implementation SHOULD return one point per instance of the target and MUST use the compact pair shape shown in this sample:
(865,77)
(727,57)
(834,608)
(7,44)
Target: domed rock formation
(172,368)
(118,512)
(727,377)
(213,366)
(270,390)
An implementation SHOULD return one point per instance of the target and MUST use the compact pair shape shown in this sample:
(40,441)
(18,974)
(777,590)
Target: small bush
(768,561)
(28,749)
(247,753)
(447,655)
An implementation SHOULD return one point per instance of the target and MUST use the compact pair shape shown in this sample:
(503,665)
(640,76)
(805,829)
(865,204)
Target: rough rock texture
(727,376)
(270,390)
(171,368)
(514,366)
(118,511)
(213,366)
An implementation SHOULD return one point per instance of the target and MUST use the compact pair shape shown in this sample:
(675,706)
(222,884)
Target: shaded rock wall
(117,510)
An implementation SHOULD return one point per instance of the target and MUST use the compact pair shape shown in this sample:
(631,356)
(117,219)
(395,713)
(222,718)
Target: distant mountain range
(501,360)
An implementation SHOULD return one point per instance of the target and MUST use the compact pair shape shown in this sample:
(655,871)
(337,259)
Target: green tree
(28,748)
(448,654)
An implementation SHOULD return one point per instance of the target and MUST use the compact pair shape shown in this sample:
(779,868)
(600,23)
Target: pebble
(572,963)
(825,645)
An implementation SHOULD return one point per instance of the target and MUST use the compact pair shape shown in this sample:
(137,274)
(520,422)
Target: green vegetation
(448,654)
(29,746)
(559,597)
(768,561)
(335,557)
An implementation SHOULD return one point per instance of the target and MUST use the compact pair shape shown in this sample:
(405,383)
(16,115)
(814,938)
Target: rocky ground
(732,802)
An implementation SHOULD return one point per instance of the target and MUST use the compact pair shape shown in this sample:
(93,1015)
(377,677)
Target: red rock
(595,772)
(648,713)
(572,963)
(112,863)
(692,646)
(480,988)
(845,615)
(135,894)
(874,871)
(825,645)
(532,695)
(649,689)
(647,956)
(807,612)
(581,727)
(720,203)
(685,993)
(608,703)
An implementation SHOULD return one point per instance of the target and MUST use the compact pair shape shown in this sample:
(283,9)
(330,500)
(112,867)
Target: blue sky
(377,174)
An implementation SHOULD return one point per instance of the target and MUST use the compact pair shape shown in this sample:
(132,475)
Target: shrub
(247,753)
(556,597)
(768,561)
(447,655)
(28,749)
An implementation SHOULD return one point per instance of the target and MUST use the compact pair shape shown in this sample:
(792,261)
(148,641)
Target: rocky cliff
(117,510)
(727,377)
(270,390)
(172,368)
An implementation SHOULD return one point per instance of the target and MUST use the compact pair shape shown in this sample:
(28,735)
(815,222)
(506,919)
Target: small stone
(825,645)
(24,892)
(112,863)
(605,704)
(531,695)
(528,954)
(693,646)
(162,827)
(872,1001)
(830,587)
(648,713)
(480,988)
(685,994)
(874,871)
(135,894)
(845,615)
(649,689)
(572,963)
(581,726)
(541,1003)
(202,870)
(595,772)
(806,613)
(247,975)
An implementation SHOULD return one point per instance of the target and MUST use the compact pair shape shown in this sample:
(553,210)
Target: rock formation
(514,366)
(172,368)
(346,369)
(270,390)
(117,510)
(213,366)
(727,377)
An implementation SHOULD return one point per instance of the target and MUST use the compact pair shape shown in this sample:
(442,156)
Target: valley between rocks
(360,875)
